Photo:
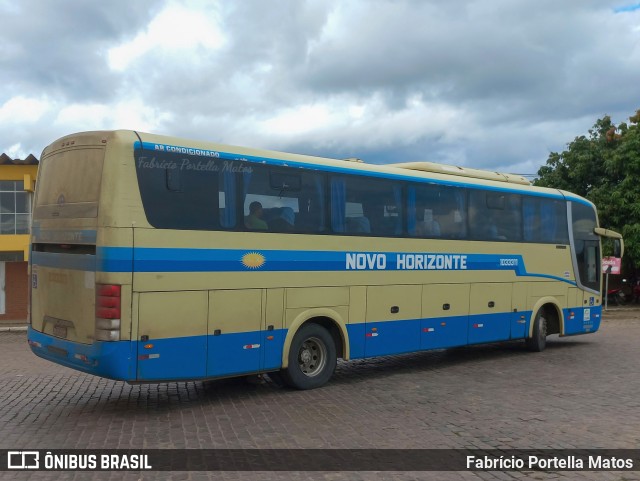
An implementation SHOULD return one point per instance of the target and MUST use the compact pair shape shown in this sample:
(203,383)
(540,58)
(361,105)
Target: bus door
(590,265)
(235,343)
(590,275)
(587,264)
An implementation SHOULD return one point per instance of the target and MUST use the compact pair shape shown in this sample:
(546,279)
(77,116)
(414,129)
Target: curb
(13,329)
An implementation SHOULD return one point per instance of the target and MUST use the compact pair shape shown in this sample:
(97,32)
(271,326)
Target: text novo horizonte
(380,261)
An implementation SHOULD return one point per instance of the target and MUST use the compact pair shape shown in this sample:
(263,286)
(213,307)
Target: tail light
(107,312)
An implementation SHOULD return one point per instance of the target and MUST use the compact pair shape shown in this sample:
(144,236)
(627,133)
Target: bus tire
(312,358)
(538,341)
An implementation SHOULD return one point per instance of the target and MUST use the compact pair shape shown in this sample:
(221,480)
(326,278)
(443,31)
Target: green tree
(604,167)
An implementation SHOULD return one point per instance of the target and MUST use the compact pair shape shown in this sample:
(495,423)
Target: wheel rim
(312,357)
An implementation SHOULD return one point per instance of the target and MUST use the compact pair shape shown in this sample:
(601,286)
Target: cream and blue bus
(161,259)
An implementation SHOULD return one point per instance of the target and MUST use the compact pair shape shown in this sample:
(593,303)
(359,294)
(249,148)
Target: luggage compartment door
(172,341)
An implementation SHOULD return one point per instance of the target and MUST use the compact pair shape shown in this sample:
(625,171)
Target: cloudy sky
(493,84)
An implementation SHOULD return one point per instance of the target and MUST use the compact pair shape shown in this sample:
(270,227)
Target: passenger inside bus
(284,221)
(358,225)
(254,219)
(427,226)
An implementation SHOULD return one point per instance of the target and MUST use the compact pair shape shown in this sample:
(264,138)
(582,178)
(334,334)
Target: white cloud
(130,114)
(348,121)
(79,114)
(23,110)
(16,151)
(298,120)
(176,29)
(136,115)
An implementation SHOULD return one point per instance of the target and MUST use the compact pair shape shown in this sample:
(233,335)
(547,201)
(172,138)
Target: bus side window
(544,220)
(449,210)
(510,224)
(482,216)
(436,211)
(374,207)
(178,199)
(347,210)
(291,201)
(421,203)
(495,216)
(358,208)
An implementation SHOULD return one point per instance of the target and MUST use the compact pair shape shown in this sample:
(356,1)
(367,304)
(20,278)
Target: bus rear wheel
(538,341)
(312,358)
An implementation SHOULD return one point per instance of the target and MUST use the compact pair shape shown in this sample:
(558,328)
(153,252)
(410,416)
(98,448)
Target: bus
(157,259)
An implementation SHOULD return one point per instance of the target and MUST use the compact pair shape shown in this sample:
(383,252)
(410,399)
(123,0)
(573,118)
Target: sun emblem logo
(253,260)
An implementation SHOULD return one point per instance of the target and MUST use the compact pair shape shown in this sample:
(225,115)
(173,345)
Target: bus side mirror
(618,243)
(617,248)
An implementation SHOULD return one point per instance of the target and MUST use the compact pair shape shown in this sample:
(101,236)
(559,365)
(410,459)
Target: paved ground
(581,392)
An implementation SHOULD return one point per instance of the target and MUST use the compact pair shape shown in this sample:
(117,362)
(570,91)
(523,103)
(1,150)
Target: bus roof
(463,172)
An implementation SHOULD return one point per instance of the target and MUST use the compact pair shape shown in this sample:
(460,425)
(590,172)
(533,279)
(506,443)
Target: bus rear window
(69,184)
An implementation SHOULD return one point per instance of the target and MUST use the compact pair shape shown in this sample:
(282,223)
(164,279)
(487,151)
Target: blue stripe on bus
(208,356)
(150,259)
(115,259)
(347,170)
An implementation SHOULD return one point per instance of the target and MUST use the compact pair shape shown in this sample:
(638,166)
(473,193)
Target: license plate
(59,331)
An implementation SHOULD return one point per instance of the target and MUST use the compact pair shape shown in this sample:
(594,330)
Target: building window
(15,207)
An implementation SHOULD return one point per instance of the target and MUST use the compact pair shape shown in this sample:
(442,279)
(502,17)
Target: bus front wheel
(538,341)
(312,358)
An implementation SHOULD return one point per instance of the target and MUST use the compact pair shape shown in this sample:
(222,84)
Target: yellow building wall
(14,243)
(27,174)
(18,172)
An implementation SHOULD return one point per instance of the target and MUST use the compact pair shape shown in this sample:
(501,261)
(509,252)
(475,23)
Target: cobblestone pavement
(582,392)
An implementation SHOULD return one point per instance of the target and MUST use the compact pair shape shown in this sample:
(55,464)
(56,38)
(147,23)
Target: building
(17,182)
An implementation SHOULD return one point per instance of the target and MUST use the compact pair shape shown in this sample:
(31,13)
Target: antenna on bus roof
(354,159)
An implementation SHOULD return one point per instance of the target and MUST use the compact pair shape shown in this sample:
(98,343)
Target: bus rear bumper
(113,360)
